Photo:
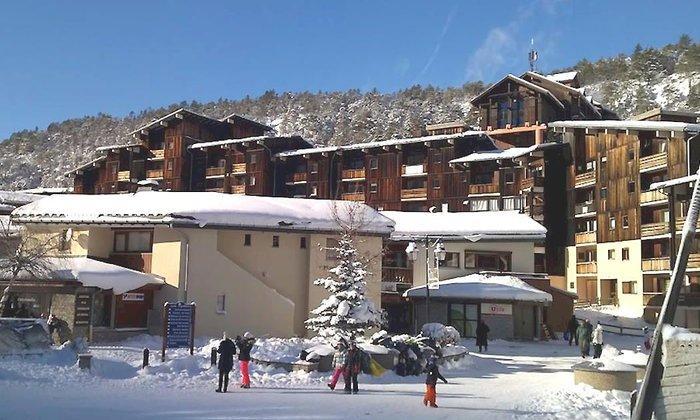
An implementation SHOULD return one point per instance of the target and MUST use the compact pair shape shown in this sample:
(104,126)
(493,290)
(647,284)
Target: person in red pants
(245,345)
(431,382)
(339,359)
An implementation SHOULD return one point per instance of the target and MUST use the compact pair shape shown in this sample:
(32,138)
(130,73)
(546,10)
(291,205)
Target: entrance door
(131,309)
(464,317)
(524,321)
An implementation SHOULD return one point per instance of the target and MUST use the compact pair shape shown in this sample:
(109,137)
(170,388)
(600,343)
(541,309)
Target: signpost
(178,326)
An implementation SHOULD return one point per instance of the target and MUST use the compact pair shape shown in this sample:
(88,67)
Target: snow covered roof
(512,153)
(671,182)
(48,190)
(562,77)
(119,146)
(255,139)
(483,287)
(86,165)
(628,125)
(473,226)
(17,198)
(233,118)
(92,273)
(178,113)
(382,143)
(522,82)
(198,209)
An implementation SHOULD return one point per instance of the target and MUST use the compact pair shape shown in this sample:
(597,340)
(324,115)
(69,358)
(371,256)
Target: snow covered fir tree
(347,312)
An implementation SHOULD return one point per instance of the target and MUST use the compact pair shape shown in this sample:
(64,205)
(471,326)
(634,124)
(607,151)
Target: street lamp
(439,253)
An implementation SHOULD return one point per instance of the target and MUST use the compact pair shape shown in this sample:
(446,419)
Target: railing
(238,168)
(413,169)
(297,177)
(397,274)
(154,173)
(353,173)
(694,261)
(354,196)
(527,183)
(215,189)
(652,229)
(680,221)
(585,238)
(656,264)
(216,171)
(652,162)
(483,188)
(651,196)
(584,208)
(238,189)
(158,154)
(124,176)
(585,178)
(586,267)
(414,193)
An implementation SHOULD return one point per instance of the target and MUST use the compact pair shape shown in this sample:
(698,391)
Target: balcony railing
(414,193)
(584,208)
(353,173)
(411,170)
(651,196)
(652,229)
(124,176)
(297,177)
(354,196)
(154,173)
(694,261)
(680,221)
(656,161)
(158,154)
(527,183)
(238,189)
(238,168)
(585,238)
(483,188)
(215,189)
(397,274)
(216,171)
(586,267)
(656,264)
(585,179)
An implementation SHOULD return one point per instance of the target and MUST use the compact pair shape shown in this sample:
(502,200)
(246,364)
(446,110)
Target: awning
(483,287)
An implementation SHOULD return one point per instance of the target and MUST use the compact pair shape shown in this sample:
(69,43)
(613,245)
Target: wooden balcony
(238,168)
(694,261)
(354,196)
(397,274)
(680,221)
(585,179)
(297,177)
(648,163)
(124,176)
(154,173)
(585,238)
(652,196)
(353,173)
(529,183)
(584,208)
(586,267)
(413,170)
(216,171)
(653,229)
(215,189)
(158,154)
(414,193)
(237,189)
(483,188)
(656,264)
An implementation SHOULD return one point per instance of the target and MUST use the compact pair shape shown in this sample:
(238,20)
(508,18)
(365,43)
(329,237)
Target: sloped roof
(484,287)
(521,81)
(233,118)
(512,153)
(266,139)
(628,125)
(174,114)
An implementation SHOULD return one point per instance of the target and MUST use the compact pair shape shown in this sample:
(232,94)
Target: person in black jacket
(482,332)
(226,351)
(433,374)
(245,345)
(353,365)
(571,327)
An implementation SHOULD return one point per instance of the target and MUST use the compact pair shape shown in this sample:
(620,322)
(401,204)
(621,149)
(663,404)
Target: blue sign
(179,326)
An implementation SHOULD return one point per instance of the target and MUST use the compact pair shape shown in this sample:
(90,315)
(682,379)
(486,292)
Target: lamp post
(439,253)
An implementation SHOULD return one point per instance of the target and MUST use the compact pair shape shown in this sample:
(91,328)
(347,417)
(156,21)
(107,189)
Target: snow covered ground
(514,380)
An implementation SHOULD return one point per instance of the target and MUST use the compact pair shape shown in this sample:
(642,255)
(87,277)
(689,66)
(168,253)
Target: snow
(628,125)
(483,225)
(482,287)
(605,365)
(228,141)
(633,357)
(199,209)
(440,333)
(671,182)
(671,333)
(562,77)
(511,153)
(93,273)
(17,198)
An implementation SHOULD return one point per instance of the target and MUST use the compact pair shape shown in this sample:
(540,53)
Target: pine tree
(347,312)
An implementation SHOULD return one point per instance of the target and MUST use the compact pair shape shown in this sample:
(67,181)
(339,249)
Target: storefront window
(464,317)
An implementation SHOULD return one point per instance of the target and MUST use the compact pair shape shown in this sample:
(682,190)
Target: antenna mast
(532,55)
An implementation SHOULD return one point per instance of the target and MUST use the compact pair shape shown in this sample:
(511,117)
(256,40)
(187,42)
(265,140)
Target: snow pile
(284,350)
(443,335)
(604,365)
(634,358)
(480,286)
(579,402)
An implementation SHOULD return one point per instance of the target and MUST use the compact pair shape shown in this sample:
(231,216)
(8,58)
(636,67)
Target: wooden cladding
(238,189)
(585,179)
(585,238)
(588,267)
(414,193)
(297,177)
(354,196)
(154,173)
(158,154)
(652,196)
(124,176)
(528,183)
(483,189)
(652,162)
(238,168)
(656,264)
(353,173)
(653,229)
(216,171)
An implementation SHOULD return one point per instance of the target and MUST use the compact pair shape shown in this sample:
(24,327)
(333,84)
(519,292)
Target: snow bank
(442,334)
(578,402)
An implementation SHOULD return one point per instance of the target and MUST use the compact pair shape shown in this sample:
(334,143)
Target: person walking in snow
(245,345)
(226,351)
(571,328)
(433,374)
(597,340)
(482,332)
(583,332)
(647,338)
(353,365)
(339,358)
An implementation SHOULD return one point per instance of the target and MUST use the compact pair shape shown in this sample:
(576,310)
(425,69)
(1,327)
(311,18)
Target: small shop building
(510,307)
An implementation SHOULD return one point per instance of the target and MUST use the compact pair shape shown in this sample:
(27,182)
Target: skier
(226,351)
(339,358)
(583,332)
(482,331)
(353,365)
(571,328)
(597,340)
(433,374)
(245,345)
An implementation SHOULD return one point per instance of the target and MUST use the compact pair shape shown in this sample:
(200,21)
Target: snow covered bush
(443,335)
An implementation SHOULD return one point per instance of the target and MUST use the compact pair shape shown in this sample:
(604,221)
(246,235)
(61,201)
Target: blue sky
(67,59)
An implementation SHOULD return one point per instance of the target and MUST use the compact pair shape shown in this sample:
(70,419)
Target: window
(313,167)
(489,204)
(603,193)
(252,158)
(511,203)
(246,239)
(302,242)
(451,260)
(509,177)
(630,155)
(490,261)
(171,145)
(571,285)
(314,190)
(133,241)
(275,241)
(373,162)
(169,165)
(502,114)
(630,187)
(612,222)
(463,317)
(436,183)
(590,165)
(331,249)
(625,254)
(611,254)
(251,181)
(373,187)
(629,287)
(221,304)
(437,156)
(625,222)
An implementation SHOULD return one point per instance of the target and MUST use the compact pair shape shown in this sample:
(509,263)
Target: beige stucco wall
(571,269)
(622,271)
